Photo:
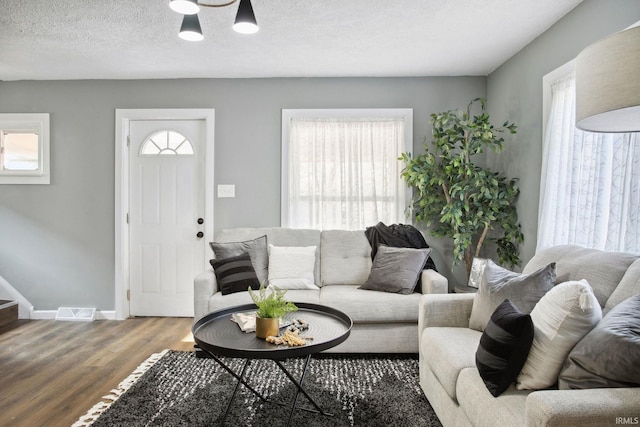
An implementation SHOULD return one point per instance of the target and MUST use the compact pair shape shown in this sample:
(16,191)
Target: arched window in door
(166,142)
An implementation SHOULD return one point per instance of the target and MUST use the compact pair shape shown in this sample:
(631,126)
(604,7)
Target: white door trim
(123,117)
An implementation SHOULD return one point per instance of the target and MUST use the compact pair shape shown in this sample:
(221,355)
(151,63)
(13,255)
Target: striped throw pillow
(504,347)
(235,274)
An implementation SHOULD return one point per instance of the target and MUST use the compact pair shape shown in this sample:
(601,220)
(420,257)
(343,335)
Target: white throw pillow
(560,319)
(291,267)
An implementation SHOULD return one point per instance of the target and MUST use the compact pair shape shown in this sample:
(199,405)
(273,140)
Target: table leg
(297,383)
(241,380)
(240,377)
(301,389)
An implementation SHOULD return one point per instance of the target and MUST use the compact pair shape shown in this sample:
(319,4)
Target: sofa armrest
(434,282)
(204,286)
(591,407)
(451,310)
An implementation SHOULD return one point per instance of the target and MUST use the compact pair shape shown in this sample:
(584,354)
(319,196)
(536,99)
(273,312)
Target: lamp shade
(245,19)
(608,84)
(185,7)
(190,29)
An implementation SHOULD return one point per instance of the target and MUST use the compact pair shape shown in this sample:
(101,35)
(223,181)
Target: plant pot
(267,327)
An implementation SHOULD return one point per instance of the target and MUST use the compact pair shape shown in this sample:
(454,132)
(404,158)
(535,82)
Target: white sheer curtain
(590,185)
(344,173)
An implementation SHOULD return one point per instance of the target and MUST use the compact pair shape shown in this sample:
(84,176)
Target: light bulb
(190,29)
(185,7)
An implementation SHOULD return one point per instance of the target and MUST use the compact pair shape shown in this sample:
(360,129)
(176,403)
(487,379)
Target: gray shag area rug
(175,388)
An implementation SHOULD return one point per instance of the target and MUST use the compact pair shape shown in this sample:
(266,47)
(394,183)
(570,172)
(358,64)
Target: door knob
(200,235)
(200,221)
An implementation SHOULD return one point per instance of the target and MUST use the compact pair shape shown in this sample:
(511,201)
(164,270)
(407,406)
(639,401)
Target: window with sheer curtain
(590,186)
(341,169)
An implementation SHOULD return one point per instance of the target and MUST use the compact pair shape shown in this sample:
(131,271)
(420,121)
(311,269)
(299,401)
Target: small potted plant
(271,307)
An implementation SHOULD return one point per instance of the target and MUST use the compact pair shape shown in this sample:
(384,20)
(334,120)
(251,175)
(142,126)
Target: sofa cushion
(498,284)
(609,355)
(504,347)
(447,351)
(235,274)
(345,257)
(256,248)
(561,318)
(291,267)
(396,270)
(371,306)
(219,301)
(484,409)
(629,285)
(576,263)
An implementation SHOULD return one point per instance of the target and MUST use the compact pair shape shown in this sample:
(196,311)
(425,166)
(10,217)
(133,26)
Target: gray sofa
(383,322)
(450,379)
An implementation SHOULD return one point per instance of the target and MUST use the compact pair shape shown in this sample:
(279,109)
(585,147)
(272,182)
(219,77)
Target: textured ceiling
(138,39)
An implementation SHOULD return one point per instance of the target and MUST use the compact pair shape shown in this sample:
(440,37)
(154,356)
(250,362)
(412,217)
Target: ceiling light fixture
(245,22)
(608,84)
(245,19)
(190,29)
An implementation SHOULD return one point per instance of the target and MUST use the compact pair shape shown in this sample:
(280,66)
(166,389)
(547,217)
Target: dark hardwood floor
(52,372)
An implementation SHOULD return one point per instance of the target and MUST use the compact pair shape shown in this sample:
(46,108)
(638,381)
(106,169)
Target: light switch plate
(226,191)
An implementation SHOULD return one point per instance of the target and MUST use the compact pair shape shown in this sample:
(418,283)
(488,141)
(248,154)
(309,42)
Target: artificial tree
(458,198)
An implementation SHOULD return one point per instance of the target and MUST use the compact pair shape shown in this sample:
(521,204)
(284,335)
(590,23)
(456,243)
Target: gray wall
(58,240)
(514,93)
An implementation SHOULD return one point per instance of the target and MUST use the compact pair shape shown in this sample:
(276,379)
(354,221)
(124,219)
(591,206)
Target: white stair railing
(8,292)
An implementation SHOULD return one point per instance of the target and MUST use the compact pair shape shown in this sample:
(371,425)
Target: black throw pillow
(504,347)
(235,274)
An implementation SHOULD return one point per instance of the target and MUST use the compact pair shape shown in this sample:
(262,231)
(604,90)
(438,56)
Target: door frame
(123,119)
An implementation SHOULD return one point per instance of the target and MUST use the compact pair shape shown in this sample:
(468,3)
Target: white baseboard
(106,314)
(51,314)
(43,314)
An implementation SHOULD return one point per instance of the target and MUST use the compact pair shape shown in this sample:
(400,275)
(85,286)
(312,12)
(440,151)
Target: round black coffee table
(217,335)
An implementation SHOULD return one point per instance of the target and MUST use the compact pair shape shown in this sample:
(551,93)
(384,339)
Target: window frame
(289,114)
(28,122)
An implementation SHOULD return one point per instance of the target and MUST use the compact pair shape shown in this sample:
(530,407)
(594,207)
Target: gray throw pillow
(498,284)
(396,270)
(609,355)
(256,248)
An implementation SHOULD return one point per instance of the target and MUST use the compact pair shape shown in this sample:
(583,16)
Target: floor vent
(78,314)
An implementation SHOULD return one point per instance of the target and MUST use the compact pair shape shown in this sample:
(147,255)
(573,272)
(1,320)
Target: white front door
(166,215)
